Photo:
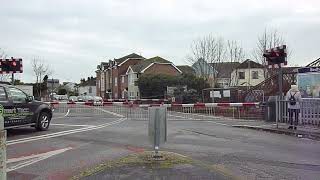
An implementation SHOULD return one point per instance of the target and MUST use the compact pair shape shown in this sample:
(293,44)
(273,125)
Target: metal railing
(309,111)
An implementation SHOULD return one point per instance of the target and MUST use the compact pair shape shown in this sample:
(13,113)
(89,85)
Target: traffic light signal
(9,66)
(276,55)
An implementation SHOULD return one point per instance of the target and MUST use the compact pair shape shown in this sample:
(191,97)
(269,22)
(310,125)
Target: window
(122,79)
(131,79)
(116,95)
(137,94)
(241,75)
(115,81)
(17,95)
(90,90)
(255,75)
(3,96)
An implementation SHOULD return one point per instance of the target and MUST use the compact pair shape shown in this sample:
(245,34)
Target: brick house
(155,65)
(111,76)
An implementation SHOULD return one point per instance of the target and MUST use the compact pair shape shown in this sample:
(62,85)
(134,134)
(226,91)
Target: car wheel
(43,122)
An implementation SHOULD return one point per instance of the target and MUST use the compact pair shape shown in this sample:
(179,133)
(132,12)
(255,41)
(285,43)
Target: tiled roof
(143,64)
(248,63)
(186,69)
(133,56)
(225,69)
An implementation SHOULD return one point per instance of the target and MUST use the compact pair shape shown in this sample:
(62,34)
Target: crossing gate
(198,111)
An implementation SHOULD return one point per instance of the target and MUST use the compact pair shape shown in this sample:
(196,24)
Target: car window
(17,95)
(3,95)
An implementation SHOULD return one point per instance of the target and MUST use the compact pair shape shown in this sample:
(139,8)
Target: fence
(175,111)
(309,111)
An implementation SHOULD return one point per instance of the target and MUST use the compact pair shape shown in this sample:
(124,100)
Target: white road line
(115,114)
(222,124)
(67,114)
(179,116)
(34,158)
(72,125)
(62,133)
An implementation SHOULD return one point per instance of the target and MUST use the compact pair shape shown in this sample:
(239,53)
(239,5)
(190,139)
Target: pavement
(80,141)
(302,131)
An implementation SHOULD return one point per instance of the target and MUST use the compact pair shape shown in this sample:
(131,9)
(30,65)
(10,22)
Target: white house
(248,73)
(88,87)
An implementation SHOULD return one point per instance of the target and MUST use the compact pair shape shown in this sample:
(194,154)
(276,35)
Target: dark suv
(19,109)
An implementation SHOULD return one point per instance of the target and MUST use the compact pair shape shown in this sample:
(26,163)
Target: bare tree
(235,54)
(209,53)
(205,53)
(40,70)
(267,40)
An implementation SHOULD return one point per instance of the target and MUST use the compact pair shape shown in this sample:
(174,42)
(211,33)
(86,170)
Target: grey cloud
(74,36)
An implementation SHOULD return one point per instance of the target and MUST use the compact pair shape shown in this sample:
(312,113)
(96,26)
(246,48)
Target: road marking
(63,133)
(115,114)
(72,125)
(28,160)
(67,114)
(222,124)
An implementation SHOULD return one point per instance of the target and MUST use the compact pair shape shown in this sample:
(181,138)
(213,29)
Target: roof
(186,69)
(130,56)
(225,69)
(249,64)
(143,64)
(91,82)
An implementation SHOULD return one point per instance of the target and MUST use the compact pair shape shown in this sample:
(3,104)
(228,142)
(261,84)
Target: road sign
(10,66)
(157,126)
(276,57)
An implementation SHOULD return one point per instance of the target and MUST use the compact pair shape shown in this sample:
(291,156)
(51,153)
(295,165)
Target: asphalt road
(80,140)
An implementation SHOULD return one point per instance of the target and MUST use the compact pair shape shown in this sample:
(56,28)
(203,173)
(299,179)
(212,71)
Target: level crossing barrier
(175,111)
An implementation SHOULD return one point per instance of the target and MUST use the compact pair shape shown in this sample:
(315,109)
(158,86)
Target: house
(248,73)
(111,76)
(186,69)
(155,65)
(69,86)
(223,72)
(87,87)
(52,84)
(204,69)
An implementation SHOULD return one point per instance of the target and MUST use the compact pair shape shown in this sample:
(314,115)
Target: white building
(88,87)
(248,73)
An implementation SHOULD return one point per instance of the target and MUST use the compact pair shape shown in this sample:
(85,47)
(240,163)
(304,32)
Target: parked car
(19,109)
(97,100)
(73,99)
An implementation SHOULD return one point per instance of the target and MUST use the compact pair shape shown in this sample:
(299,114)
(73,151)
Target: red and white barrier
(196,105)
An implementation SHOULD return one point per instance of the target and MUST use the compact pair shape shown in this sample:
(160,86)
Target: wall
(132,89)
(86,89)
(247,81)
(98,83)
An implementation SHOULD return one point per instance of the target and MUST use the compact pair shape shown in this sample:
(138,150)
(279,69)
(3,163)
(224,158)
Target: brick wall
(98,74)
(121,70)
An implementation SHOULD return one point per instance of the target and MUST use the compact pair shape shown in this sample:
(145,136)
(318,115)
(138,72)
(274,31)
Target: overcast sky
(74,36)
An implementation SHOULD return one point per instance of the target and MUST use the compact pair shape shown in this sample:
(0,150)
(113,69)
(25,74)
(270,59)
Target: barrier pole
(3,151)
(277,111)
